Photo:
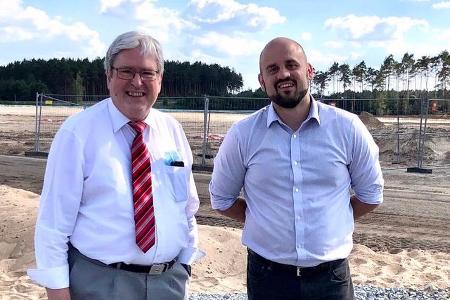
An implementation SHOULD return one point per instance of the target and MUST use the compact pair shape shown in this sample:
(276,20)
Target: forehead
(134,58)
(281,52)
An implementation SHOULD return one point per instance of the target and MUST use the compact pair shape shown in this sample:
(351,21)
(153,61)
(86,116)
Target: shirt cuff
(52,278)
(190,255)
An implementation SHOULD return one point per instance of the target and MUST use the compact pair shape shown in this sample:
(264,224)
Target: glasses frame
(134,71)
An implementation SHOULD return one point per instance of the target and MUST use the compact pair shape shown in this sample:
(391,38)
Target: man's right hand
(236,211)
(58,294)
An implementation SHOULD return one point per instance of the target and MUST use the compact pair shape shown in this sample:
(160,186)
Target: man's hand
(58,294)
(236,211)
(360,208)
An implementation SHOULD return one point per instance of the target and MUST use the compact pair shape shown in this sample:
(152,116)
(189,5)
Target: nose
(283,73)
(137,80)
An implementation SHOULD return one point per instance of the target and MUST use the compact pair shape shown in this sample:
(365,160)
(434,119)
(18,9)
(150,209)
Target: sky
(228,32)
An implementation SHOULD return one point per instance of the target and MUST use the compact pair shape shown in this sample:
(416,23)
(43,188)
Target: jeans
(268,280)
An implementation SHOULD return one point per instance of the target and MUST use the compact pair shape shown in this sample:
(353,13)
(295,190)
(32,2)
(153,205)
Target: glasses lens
(128,74)
(148,75)
(125,73)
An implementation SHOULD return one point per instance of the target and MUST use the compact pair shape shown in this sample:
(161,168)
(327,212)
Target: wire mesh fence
(409,132)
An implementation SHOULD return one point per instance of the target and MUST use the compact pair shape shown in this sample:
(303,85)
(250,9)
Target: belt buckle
(156,269)
(299,272)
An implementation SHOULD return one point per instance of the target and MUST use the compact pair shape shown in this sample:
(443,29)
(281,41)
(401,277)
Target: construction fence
(411,133)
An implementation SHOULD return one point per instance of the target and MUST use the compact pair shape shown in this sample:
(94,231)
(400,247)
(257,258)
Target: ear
(261,82)
(310,71)
(108,78)
(160,79)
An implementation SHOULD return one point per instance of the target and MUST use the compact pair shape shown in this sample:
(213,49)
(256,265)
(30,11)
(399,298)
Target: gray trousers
(91,279)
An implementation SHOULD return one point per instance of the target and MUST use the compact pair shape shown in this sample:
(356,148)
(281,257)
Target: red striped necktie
(144,217)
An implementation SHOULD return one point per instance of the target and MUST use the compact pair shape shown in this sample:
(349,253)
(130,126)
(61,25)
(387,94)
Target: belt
(154,269)
(299,271)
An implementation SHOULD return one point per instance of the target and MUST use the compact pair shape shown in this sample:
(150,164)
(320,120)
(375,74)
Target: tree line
(396,85)
(21,80)
(408,79)
(420,76)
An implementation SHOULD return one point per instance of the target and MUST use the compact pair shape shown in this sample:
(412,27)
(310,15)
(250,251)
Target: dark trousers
(267,280)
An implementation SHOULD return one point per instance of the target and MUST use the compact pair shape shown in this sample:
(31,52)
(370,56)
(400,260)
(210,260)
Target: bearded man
(299,162)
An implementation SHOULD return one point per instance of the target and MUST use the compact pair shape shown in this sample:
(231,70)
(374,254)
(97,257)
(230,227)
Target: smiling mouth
(285,84)
(135,94)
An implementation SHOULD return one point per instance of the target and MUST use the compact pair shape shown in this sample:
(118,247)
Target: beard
(288,101)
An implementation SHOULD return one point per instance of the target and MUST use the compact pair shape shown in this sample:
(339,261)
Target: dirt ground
(414,215)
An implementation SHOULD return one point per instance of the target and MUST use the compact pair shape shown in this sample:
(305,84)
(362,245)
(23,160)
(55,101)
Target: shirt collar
(313,111)
(119,119)
(272,116)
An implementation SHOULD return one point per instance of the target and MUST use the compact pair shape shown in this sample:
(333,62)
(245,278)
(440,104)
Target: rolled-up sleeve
(228,173)
(365,170)
(58,209)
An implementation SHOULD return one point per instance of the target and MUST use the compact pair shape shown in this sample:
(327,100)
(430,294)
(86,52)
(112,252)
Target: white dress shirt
(87,196)
(297,184)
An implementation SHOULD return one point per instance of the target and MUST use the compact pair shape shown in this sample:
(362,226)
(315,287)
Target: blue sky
(228,32)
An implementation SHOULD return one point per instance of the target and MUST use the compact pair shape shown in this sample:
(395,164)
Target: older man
(116,218)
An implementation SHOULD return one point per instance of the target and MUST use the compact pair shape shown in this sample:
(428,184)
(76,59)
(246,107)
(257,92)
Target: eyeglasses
(129,73)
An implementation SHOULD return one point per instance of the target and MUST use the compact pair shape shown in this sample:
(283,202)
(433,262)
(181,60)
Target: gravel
(362,292)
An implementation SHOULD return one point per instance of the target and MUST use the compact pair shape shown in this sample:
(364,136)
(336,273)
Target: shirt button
(295,162)
(295,136)
(296,190)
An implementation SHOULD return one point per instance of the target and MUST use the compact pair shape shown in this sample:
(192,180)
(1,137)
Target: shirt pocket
(177,180)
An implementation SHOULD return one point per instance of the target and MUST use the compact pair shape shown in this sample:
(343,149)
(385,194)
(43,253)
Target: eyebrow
(292,61)
(289,61)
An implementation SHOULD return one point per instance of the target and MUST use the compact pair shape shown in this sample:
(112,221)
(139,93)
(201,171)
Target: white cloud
(14,33)
(322,61)
(230,13)
(25,23)
(106,5)
(199,55)
(334,44)
(161,22)
(232,46)
(441,5)
(445,36)
(392,35)
(373,28)
(110,5)
(355,55)
(306,36)
(439,38)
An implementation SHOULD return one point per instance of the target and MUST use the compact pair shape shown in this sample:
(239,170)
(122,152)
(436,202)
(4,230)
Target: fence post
(398,131)
(422,137)
(205,129)
(419,144)
(36,125)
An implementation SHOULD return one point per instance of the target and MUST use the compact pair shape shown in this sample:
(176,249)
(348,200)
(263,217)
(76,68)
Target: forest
(409,78)
(20,81)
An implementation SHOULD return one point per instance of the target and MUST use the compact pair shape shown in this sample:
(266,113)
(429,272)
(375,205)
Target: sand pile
(370,121)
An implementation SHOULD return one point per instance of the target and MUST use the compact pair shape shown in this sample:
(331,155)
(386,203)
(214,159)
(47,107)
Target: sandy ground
(406,242)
